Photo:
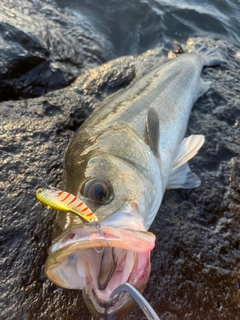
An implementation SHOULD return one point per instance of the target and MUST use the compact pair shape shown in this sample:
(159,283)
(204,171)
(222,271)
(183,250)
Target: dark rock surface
(44,48)
(196,262)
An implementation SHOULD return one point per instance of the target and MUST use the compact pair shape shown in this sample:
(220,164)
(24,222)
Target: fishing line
(98,227)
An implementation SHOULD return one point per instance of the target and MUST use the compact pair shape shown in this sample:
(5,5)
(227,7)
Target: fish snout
(99,262)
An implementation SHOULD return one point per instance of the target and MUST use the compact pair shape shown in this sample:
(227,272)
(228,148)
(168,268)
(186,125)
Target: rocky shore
(196,262)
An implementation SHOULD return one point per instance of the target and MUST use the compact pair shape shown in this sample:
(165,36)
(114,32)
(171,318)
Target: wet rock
(43,48)
(195,265)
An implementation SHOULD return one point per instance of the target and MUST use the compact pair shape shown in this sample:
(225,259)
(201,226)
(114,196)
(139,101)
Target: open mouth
(98,262)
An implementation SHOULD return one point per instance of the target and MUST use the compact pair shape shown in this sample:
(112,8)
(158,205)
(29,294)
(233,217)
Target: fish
(120,161)
(64,201)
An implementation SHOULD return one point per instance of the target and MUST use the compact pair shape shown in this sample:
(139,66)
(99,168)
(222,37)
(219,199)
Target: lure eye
(97,190)
(40,190)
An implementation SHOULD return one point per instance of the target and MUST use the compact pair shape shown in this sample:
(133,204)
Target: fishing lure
(56,199)
(64,201)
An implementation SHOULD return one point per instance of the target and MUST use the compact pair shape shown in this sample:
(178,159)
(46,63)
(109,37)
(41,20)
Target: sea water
(134,26)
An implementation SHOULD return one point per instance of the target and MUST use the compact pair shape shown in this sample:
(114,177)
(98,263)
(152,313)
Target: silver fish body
(120,162)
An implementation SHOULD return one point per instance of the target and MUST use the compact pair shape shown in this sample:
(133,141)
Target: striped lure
(65,201)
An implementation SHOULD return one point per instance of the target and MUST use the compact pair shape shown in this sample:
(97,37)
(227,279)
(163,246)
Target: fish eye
(40,190)
(97,190)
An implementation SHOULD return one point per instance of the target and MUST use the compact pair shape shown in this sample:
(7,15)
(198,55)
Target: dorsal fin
(153,131)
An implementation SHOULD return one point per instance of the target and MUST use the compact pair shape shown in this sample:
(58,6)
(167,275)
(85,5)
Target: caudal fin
(209,56)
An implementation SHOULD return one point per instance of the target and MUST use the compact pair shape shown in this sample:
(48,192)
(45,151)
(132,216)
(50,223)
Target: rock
(44,48)
(195,265)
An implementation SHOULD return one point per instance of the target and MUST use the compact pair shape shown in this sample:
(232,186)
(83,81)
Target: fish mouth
(98,262)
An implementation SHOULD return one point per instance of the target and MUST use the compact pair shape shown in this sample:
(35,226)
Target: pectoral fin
(153,131)
(182,176)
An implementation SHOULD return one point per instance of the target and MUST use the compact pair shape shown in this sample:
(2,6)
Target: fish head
(116,191)
(84,259)
(97,258)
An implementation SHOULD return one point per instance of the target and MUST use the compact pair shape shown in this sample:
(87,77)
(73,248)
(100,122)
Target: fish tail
(209,56)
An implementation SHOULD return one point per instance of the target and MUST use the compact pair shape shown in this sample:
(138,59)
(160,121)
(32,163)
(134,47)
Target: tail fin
(209,56)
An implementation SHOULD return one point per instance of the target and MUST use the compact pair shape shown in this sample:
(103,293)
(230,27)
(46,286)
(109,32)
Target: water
(138,25)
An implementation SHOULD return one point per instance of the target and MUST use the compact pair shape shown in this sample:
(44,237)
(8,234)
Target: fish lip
(121,304)
(117,308)
(111,303)
(87,236)
(83,237)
